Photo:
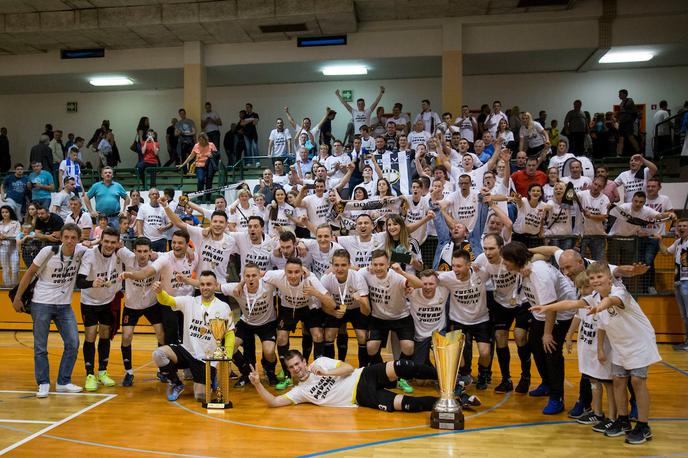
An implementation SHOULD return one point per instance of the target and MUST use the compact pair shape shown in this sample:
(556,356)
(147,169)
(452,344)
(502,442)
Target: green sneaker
(91,383)
(404,386)
(280,376)
(284,384)
(104,379)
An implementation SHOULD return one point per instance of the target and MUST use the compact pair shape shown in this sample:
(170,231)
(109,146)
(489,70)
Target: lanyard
(343,292)
(248,301)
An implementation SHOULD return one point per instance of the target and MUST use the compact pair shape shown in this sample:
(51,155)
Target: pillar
(452,67)
(194,81)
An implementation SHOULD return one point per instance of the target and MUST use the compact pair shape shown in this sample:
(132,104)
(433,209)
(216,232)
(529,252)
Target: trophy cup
(217,395)
(447,349)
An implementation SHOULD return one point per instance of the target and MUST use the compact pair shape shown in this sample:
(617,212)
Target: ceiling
(35,26)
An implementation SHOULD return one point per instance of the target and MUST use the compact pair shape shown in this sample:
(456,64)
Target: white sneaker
(68,388)
(652,291)
(43,390)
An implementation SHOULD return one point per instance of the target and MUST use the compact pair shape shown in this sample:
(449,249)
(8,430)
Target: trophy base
(217,405)
(446,420)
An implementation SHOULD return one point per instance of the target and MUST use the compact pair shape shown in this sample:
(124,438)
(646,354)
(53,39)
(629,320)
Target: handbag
(27,296)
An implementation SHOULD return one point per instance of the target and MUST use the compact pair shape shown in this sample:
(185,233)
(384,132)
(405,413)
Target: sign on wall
(347,95)
(72,107)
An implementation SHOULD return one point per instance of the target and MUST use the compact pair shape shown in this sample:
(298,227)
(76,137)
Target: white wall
(25,115)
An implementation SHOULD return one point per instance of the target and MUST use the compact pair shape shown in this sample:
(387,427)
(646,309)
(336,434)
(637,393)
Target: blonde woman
(396,240)
(533,133)
(205,167)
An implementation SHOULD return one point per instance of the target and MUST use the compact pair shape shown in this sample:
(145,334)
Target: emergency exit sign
(72,107)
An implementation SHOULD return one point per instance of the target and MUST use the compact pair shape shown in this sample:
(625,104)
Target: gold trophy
(217,398)
(447,349)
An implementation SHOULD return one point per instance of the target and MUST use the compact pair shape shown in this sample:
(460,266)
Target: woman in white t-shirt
(534,133)
(396,239)
(504,133)
(240,210)
(9,256)
(548,188)
(528,227)
(279,213)
(559,220)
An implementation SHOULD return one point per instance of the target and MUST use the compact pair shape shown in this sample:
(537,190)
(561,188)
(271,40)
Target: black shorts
(288,318)
(481,332)
(370,391)
(354,316)
(246,332)
(92,315)
(379,329)
(130,317)
(185,360)
(503,317)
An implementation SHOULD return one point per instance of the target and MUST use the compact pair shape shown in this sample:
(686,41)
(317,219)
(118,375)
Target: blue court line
(446,433)
(680,371)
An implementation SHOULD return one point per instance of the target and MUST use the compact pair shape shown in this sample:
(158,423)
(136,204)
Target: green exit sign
(72,107)
(348,95)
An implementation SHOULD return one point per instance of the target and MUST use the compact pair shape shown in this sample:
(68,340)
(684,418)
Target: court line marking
(60,394)
(37,422)
(463,431)
(96,444)
(106,398)
(304,430)
(671,366)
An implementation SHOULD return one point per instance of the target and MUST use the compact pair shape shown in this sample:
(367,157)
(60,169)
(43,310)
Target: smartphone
(401,258)
(310,185)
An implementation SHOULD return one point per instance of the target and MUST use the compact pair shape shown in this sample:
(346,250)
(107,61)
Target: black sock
(417,403)
(375,359)
(504,357)
(241,363)
(89,351)
(126,357)
(269,366)
(524,356)
(483,370)
(328,350)
(641,424)
(318,349)
(103,353)
(282,351)
(342,345)
(362,356)
(631,391)
(170,371)
(306,346)
(585,391)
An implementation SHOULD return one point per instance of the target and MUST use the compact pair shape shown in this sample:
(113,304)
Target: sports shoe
(652,291)
(639,435)
(505,386)
(162,377)
(280,376)
(91,383)
(128,379)
(680,347)
(540,391)
(174,390)
(523,385)
(471,401)
(465,380)
(578,410)
(104,379)
(272,378)
(589,418)
(488,376)
(633,415)
(233,375)
(43,390)
(482,382)
(242,382)
(618,428)
(404,386)
(553,407)
(68,388)
(284,384)
(603,425)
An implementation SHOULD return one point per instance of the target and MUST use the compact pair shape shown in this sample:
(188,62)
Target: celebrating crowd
(412,228)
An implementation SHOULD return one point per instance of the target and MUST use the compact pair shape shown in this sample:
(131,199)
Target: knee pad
(160,357)
(405,368)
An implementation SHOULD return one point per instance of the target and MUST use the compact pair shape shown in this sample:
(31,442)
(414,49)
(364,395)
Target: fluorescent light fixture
(111,81)
(336,70)
(616,57)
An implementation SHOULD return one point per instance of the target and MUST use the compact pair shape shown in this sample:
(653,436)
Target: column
(452,67)
(194,81)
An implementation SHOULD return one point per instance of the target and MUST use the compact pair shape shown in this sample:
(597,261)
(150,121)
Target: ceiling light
(615,57)
(337,70)
(111,81)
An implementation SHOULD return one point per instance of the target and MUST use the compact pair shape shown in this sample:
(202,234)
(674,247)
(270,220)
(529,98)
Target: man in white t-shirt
(60,201)
(635,179)
(418,136)
(400,120)
(253,245)
(332,383)
(679,250)
(429,118)
(650,245)
(56,270)
(360,114)
(152,223)
(580,182)
(492,120)
(279,144)
(428,307)
(337,165)
(561,157)
(79,217)
(198,338)
(594,207)
(467,125)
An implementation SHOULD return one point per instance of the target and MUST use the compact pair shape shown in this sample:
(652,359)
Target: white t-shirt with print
(95,265)
(213,254)
(138,294)
(387,295)
(468,299)
(256,308)
(153,218)
(198,340)
(293,297)
(343,293)
(57,275)
(167,266)
(326,390)
(546,285)
(428,314)
(632,184)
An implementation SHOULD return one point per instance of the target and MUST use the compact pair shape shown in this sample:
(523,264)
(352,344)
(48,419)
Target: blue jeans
(681,292)
(251,147)
(64,319)
(564,244)
(44,203)
(648,253)
(443,236)
(114,221)
(596,245)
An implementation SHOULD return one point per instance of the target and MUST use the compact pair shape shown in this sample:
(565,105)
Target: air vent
(82,53)
(536,3)
(283,28)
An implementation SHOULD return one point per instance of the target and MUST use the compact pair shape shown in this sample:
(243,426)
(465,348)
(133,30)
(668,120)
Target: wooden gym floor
(139,421)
